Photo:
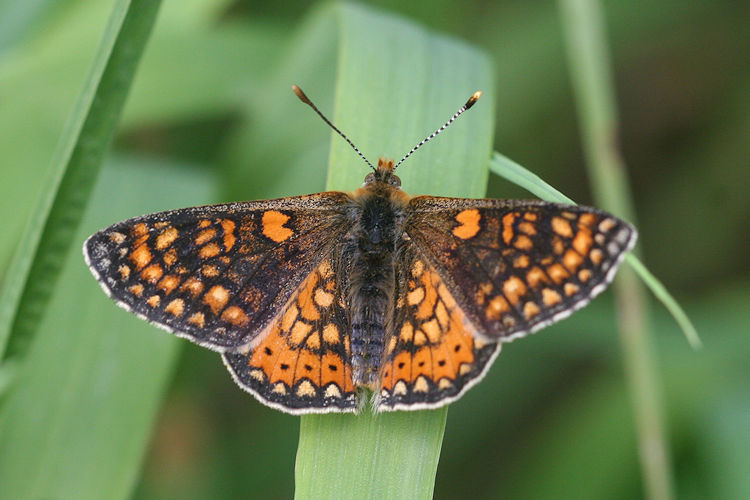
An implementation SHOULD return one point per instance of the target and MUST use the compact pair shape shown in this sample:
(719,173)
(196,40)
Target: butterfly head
(383,174)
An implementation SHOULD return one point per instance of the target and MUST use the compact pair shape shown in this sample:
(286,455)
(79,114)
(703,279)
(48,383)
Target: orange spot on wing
(468,224)
(208,251)
(216,298)
(273,226)
(140,257)
(508,220)
(166,238)
(205,236)
(427,306)
(229,238)
(152,273)
(583,241)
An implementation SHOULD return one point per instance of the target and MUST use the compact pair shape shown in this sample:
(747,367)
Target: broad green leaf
(79,413)
(42,250)
(396,84)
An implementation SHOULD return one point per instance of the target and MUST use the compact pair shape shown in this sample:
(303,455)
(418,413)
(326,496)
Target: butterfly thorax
(371,244)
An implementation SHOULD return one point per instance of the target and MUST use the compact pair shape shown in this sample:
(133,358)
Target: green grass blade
(396,84)
(518,175)
(77,419)
(42,250)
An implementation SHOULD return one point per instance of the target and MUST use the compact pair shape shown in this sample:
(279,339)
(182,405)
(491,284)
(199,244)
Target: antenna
(474,98)
(304,98)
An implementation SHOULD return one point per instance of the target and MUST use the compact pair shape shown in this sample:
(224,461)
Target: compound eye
(395,181)
(370,178)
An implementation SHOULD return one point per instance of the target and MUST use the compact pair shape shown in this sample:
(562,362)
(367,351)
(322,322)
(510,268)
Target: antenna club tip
(473,99)
(302,97)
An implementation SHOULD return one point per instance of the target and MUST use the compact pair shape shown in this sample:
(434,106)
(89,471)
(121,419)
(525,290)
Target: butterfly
(319,302)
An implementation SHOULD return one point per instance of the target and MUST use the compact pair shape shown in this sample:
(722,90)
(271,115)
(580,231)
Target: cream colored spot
(441,313)
(192,285)
(415,297)
(166,238)
(570,289)
(497,307)
(331,334)
(417,269)
(465,368)
(124,272)
(550,297)
(468,224)
(116,238)
(513,288)
(421,385)
(596,256)
(139,229)
(288,319)
(323,298)
(279,388)
(399,388)
(300,331)
(530,310)
(176,307)
(198,319)
(154,301)
(392,344)
(205,236)
(136,290)
(325,270)
(479,343)
(313,341)
(273,226)
(584,275)
(562,227)
(216,298)
(332,391)
(445,383)
(407,332)
(305,389)
(432,329)
(606,225)
(420,338)
(235,316)
(258,375)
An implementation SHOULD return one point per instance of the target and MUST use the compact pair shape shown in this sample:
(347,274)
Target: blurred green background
(211,118)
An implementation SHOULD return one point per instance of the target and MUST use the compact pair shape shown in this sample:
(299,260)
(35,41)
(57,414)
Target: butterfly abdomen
(371,285)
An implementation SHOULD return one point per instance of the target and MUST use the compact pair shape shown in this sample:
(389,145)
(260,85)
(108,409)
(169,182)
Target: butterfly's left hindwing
(217,275)
(303,364)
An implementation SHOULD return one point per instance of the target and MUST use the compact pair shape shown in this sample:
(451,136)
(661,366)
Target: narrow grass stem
(584,27)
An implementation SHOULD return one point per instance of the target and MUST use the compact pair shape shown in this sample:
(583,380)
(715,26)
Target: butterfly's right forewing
(217,275)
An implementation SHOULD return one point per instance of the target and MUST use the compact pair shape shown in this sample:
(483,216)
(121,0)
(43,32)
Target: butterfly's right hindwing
(216,275)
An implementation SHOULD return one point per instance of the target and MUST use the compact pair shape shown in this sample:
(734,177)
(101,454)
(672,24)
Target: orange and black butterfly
(317,301)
